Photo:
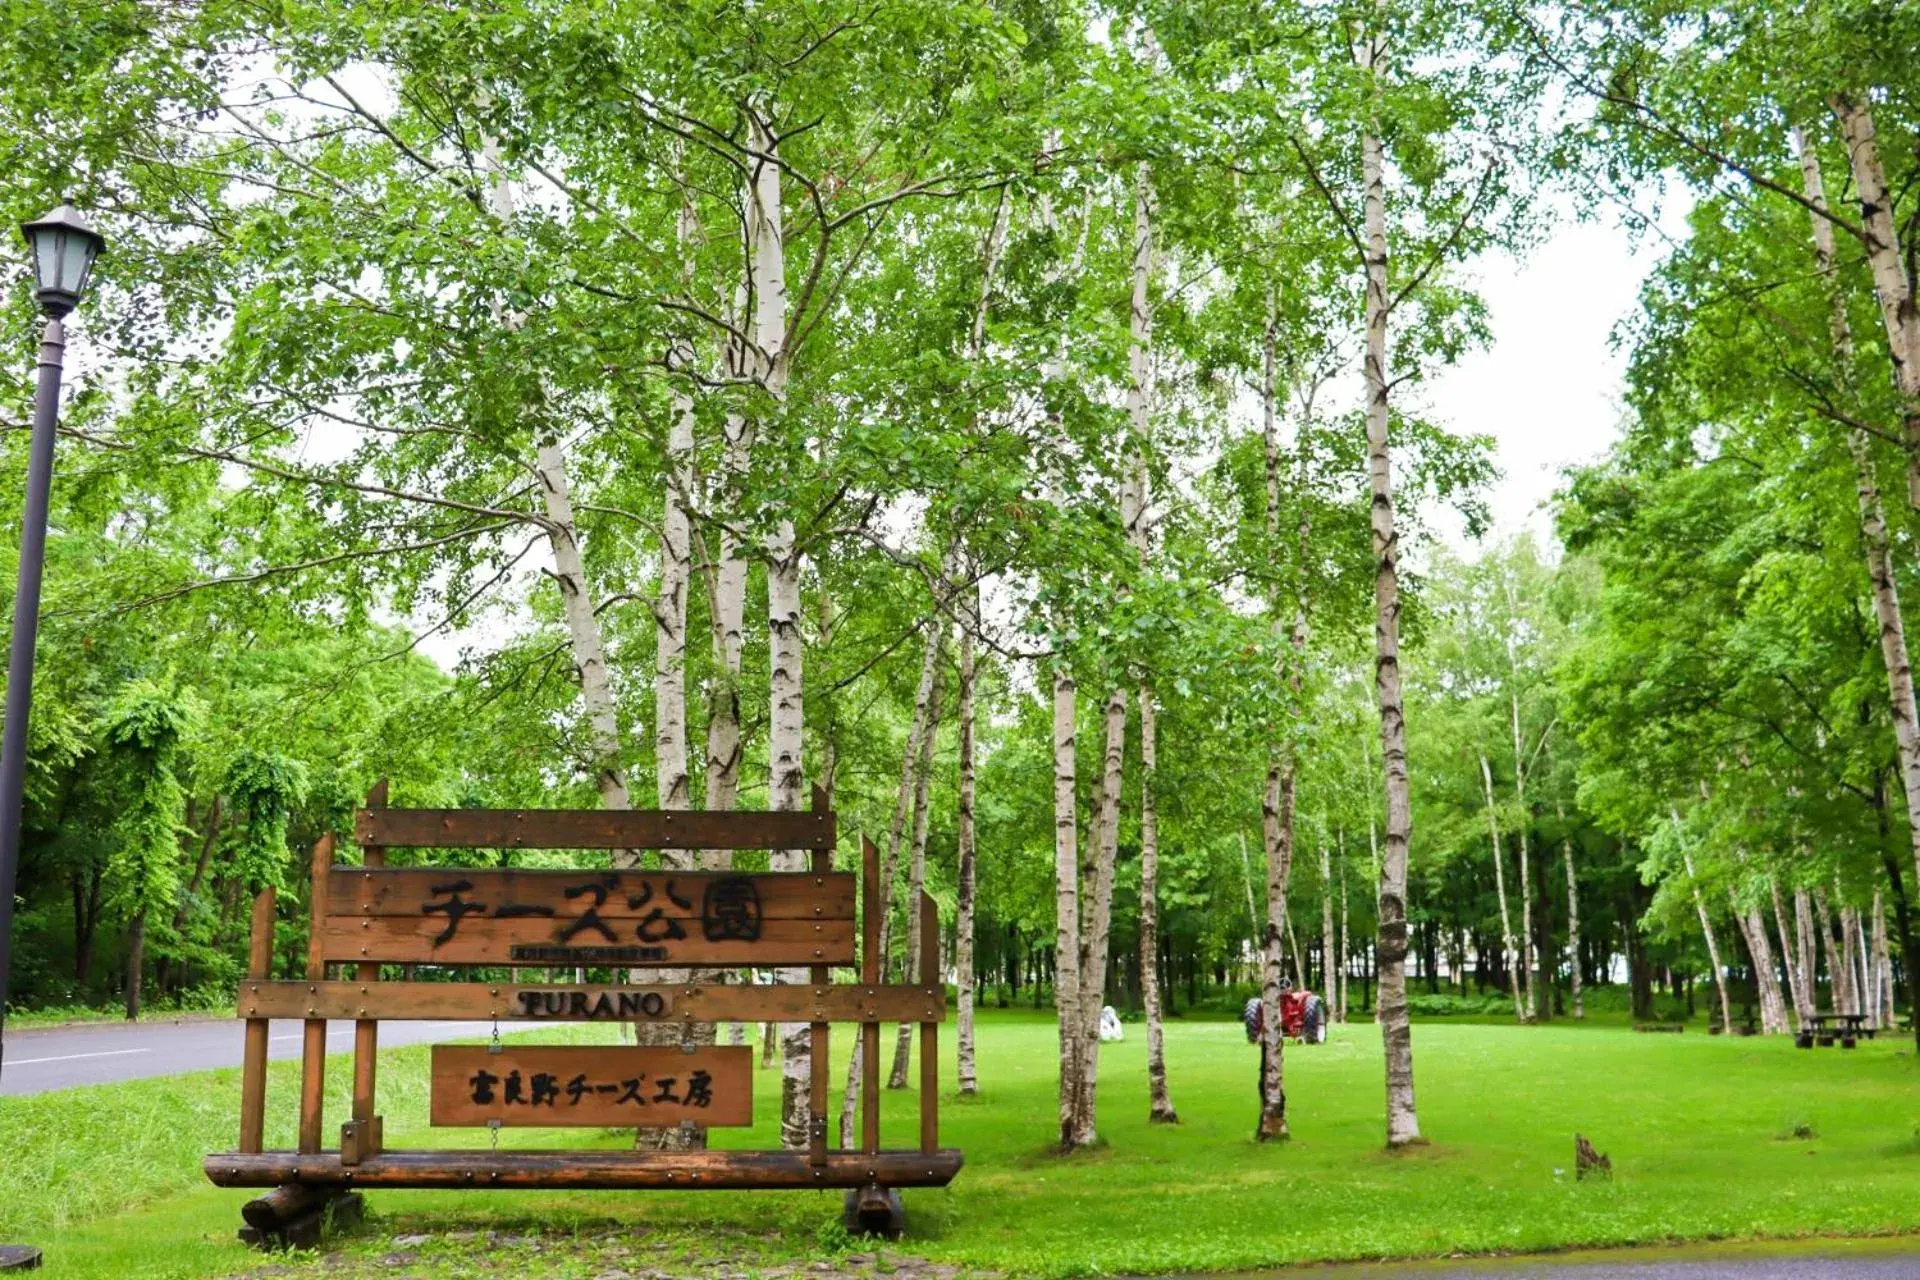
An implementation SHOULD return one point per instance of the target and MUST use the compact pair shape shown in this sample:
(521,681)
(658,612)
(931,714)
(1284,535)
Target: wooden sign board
(584,918)
(614,1086)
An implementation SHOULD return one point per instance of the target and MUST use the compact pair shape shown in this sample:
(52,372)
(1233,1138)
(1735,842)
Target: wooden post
(313,1053)
(929,1029)
(361,1136)
(253,1062)
(870,958)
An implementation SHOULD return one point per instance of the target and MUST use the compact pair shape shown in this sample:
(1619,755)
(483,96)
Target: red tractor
(1303,1017)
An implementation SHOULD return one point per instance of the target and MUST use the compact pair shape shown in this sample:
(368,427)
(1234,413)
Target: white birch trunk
(1882,966)
(1403,1121)
(1278,799)
(583,633)
(910,771)
(673,784)
(1798,984)
(1527,948)
(1507,956)
(1853,945)
(1573,915)
(1066,865)
(1160,1108)
(1839,972)
(1773,1007)
(1346,936)
(1140,404)
(1326,923)
(916,882)
(1902,707)
(569,571)
(1713,946)
(767,362)
(1806,946)
(1886,261)
(967,1072)
(1272,1125)
(965,978)
(1096,936)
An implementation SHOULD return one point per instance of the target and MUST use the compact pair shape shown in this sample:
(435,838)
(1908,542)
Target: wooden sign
(586,918)
(552,1086)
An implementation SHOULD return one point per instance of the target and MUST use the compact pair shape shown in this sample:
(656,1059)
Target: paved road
(61,1057)
(1834,1260)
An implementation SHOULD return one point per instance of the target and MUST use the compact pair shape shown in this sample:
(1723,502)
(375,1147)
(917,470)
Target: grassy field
(1702,1133)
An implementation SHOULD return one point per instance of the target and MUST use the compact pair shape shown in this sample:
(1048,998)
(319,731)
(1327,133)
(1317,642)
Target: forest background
(1006,417)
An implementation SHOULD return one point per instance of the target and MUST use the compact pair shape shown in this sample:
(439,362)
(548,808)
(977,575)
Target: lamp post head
(64,247)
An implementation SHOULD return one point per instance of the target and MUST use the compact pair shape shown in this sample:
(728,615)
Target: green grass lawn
(1700,1131)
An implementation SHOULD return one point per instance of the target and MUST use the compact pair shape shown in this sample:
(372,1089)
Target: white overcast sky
(1548,388)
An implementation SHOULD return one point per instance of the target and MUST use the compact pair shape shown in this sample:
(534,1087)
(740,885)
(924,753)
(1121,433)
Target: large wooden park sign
(371,915)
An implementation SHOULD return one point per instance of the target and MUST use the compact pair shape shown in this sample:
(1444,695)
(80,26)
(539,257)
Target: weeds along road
(1882,1259)
(103,1053)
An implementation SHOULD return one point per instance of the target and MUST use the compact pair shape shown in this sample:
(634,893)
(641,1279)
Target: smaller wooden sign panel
(617,1086)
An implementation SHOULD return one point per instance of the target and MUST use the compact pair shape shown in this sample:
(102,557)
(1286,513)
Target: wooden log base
(587,1170)
(282,1205)
(19,1257)
(317,1211)
(874,1210)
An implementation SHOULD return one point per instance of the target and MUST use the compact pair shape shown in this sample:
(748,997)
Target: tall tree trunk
(1326,925)
(1527,949)
(969,625)
(916,882)
(1096,934)
(1403,1120)
(1839,972)
(1897,305)
(1807,945)
(583,630)
(1140,404)
(1346,936)
(1888,263)
(918,731)
(1066,865)
(1272,1125)
(1883,965)
(1508,956)
(1853,945)
(673,786)
(1529,952)
(1766,980)
(136,961)
(86,923)
(1573,914)
(767,361)
(602,747)
(1799,983)
(1279,798)
(963,924)
(1713,946)
(1159,1105)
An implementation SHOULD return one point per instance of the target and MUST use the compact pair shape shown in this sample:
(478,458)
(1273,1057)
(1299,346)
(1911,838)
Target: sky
(1548,388)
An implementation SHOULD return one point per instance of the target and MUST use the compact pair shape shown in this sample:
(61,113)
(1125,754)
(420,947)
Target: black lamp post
(64,248)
